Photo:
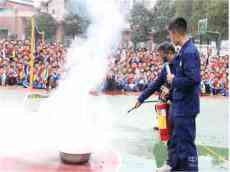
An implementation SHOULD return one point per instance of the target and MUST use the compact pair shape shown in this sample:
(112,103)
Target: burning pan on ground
(72,158)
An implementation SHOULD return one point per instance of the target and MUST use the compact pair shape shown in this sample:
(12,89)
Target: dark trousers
(182,152)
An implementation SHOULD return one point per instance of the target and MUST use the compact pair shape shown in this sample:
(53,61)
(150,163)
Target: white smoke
(71,119)
(76,112)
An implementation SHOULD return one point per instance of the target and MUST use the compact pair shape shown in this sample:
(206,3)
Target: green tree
(162,13)
(140,21)
(184,9)
(45,23)
(75,25)
(215,11)
(218,17)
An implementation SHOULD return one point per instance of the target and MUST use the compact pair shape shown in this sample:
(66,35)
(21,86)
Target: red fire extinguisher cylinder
(163,122)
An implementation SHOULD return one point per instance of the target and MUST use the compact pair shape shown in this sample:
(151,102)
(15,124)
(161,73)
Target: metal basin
(69,158)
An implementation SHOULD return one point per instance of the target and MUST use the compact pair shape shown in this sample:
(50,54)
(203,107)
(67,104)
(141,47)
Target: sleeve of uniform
(153,86)
(191,69)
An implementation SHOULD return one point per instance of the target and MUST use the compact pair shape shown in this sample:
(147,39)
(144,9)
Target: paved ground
(132,139)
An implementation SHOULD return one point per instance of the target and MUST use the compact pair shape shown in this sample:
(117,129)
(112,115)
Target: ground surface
(134,147)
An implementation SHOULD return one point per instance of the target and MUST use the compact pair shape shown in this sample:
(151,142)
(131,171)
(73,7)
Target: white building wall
(57,9)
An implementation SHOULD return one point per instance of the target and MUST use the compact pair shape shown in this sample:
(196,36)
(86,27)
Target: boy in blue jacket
(167,53)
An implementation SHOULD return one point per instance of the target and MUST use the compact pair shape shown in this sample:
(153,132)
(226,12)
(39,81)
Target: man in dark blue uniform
(186,103)
(185,82)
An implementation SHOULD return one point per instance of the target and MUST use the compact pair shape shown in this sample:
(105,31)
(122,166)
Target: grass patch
(160,153)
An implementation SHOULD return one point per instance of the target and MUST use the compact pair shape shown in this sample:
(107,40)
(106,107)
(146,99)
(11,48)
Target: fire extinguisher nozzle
(130,110)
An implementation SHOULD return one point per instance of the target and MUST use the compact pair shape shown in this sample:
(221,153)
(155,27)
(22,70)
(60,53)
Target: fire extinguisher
(162,110)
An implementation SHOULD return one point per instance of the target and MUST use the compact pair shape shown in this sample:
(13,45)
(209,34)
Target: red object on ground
(108,161)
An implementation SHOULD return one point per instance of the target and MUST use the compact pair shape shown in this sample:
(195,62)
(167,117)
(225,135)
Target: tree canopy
(145,20)
(75,25)
(45,23)
(141,22)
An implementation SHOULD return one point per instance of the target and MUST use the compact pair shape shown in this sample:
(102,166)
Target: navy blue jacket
(186,83)
(154,86)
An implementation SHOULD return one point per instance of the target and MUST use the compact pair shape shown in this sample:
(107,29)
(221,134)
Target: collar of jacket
(187,43)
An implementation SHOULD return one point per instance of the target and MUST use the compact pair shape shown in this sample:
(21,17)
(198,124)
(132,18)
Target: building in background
(13,14)
(125,7)
(58,9)
(126,41)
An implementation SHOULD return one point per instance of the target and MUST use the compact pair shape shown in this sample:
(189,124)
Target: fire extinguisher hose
(145,102)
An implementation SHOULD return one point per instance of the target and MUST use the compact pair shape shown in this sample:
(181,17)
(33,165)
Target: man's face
(174,37)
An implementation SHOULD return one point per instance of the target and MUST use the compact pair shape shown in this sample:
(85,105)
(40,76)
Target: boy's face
(170,56)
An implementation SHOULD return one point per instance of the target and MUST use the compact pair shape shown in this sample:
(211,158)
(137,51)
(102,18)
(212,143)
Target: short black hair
(171,48)
(179,25)
(166,47)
